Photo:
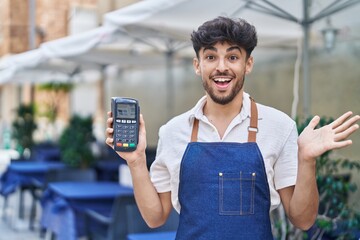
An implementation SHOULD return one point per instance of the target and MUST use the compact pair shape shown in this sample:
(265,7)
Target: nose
(222,66)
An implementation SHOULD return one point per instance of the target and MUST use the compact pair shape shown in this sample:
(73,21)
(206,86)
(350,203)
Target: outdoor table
(26,174)
(21,176)
(64,205)
(152,236)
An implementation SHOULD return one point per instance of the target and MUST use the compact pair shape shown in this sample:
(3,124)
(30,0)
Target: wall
(14,26)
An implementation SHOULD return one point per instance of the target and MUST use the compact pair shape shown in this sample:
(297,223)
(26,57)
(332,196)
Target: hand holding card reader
(125,112)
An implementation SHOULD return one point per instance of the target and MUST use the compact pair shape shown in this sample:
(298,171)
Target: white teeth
(222,79)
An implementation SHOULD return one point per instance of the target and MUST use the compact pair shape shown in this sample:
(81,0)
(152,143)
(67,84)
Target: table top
(35,167)
(25,174)
(89,190)
(153,235)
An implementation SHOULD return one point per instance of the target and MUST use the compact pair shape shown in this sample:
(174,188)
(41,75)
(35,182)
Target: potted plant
(23,127)
(75,142)
(55,91)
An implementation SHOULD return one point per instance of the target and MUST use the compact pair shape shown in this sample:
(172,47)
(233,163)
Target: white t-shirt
(276,138)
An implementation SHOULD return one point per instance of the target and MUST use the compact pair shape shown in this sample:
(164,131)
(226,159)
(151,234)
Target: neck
(213,110)
(222,115)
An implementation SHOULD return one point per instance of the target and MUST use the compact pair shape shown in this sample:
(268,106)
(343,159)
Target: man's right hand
(132,158)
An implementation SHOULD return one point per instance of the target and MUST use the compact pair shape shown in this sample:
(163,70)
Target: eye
(233,58)
(210,57)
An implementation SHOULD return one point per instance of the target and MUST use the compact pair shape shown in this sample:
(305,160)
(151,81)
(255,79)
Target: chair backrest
(126,219)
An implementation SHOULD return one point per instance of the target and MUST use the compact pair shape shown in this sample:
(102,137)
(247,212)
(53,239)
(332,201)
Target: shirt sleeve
(285,168)
(159,172)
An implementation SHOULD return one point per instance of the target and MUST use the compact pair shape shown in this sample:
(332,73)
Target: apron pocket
(236,193)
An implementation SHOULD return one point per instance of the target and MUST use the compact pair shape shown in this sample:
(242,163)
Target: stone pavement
(11,228)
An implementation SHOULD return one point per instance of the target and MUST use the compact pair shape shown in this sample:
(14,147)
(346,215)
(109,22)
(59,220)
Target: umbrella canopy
(166,25)
(274,19)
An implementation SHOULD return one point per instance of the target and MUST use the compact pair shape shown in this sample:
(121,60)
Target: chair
(125,222)
(59,175)
(5,192)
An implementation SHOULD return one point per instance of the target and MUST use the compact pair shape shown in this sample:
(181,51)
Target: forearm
(146,196)
(304,203)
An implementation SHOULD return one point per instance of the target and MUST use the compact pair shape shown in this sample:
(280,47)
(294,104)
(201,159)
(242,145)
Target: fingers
(109,121)
(109,130)
(110,142)
(344,126)
(142,133)
(314,122)
(109,137)
(340,120)
(346,133)
(142,129)
(341,144)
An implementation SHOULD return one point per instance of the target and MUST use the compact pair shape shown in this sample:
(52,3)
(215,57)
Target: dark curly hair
(224,29)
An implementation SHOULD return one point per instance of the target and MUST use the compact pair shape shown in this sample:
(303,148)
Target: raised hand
(314,142)
(131,157)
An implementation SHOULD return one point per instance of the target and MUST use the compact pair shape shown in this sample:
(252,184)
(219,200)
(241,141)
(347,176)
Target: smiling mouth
(222,82)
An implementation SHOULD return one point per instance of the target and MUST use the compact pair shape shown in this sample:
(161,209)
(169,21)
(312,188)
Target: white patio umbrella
(88,50)
(42,61)
(167,24)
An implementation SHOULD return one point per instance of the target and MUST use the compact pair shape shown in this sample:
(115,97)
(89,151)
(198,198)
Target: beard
(223,100)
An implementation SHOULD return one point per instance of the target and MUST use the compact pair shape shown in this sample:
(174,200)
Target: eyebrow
(234,48)
(212,48)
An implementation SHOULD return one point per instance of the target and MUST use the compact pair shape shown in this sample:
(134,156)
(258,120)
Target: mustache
(221,74)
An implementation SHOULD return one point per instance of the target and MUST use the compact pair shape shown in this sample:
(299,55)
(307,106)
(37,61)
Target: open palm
(314,142)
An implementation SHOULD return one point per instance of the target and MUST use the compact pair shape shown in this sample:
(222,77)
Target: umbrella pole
(306,76)
(170,83)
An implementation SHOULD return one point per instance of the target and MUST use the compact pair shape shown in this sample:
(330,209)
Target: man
(226,163)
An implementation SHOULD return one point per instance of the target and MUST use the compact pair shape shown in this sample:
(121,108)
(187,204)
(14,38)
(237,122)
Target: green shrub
(23,127)
(75,142)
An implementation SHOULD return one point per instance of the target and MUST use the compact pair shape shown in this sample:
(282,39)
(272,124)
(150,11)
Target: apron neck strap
(252,129)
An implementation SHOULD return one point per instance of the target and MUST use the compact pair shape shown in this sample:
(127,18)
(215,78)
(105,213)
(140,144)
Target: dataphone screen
(126,111)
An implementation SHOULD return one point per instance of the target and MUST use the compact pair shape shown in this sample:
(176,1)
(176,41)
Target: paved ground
(11,228)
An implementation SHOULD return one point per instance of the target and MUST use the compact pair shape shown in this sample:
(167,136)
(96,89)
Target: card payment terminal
(125,112)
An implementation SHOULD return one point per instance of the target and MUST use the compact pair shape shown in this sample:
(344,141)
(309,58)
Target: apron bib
(223,190)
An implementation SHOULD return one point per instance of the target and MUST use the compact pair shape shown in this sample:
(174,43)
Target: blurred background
(68,58)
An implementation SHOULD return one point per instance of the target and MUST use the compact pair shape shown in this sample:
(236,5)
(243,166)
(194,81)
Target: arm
(301,201)
(154,207)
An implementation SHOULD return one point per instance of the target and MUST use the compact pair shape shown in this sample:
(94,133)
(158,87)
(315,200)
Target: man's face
(222,68)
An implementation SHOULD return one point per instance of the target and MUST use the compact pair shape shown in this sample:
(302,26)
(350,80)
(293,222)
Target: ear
(249,65)
(196,65)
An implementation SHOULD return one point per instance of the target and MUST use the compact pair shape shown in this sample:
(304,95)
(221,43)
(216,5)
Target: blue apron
(223,190)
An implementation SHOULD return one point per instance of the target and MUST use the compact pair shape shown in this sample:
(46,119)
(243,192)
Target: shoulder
(275,121)
(274,115)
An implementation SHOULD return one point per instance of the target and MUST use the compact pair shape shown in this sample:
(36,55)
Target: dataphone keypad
(125,133)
